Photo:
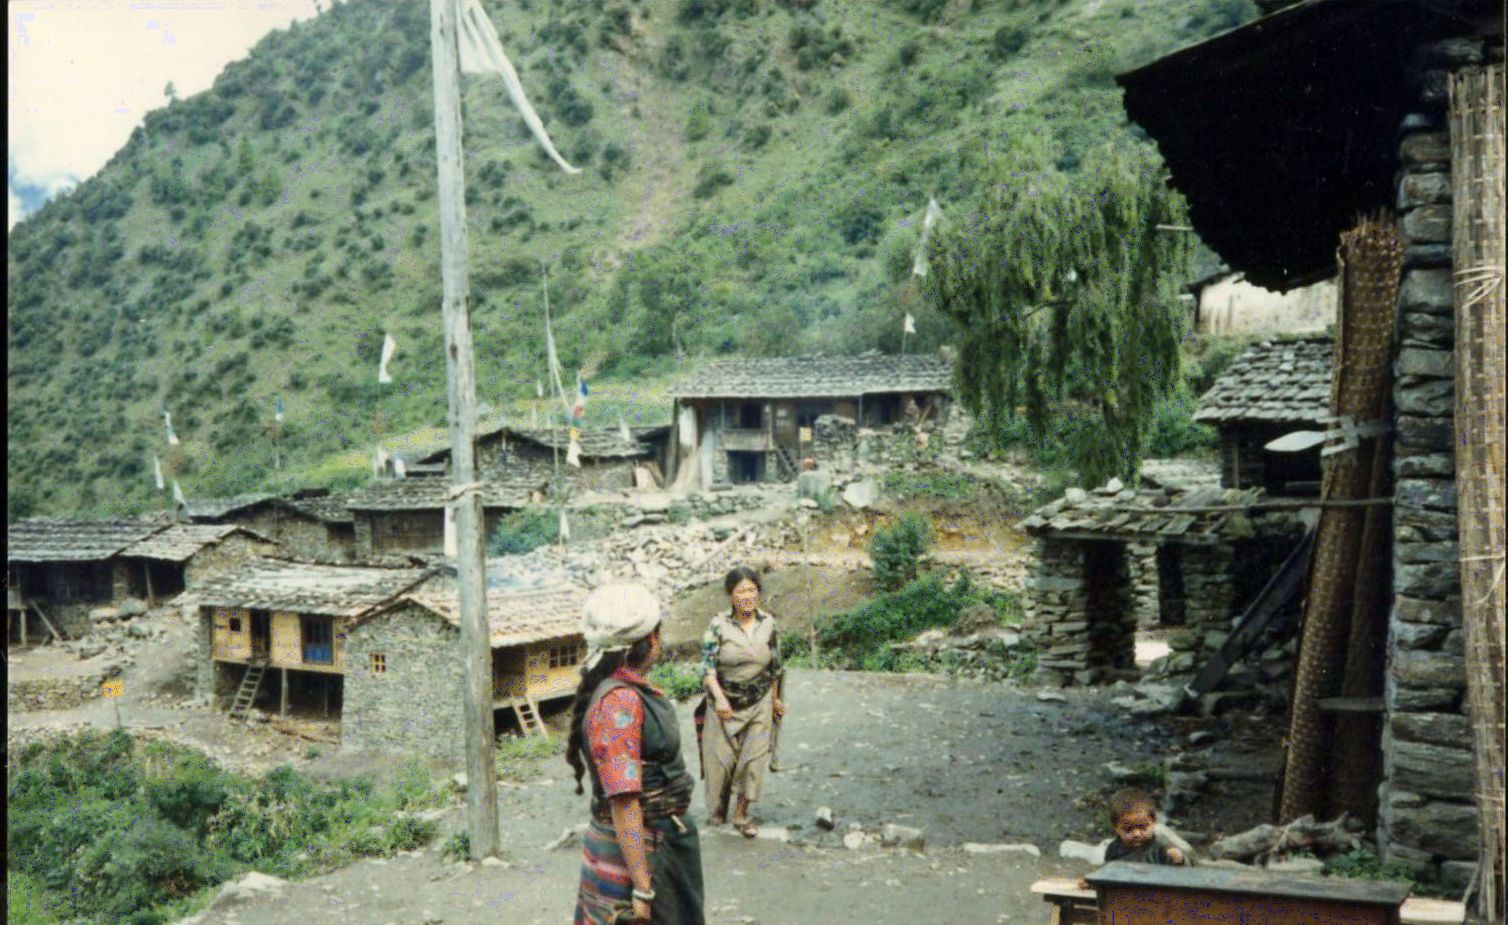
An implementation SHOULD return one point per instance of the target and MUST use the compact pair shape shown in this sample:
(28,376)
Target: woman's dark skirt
(606,887)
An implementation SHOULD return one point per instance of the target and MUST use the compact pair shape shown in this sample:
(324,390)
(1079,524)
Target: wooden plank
(1419,910)
(1350,705)
(1248,883)
(46,622)
(1065,887)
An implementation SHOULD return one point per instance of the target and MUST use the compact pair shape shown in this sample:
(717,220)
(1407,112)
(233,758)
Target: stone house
(60,569)
(403,683)
(1211,553)
(1364,101)
(409,516)
(184,556)
(274,630)
(743,420)
(1276,387)
(308,523)
(608,462)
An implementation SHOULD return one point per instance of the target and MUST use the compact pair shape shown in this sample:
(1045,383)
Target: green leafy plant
(520,757)
(456,848)
(523,531)
(896,549)
(679,680)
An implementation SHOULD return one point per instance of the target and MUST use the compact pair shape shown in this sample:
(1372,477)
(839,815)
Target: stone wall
(1146,601)
(1427,815)
(308,538)
(413,705)
(204,665)
(217,557)
(1078,611)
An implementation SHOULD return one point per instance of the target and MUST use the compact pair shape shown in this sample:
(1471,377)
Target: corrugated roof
(514,618)
(182,542)
(430,494)
(67,539)
(1279,381)
(1112,512)
(307,588)
(817,377)
(206,509)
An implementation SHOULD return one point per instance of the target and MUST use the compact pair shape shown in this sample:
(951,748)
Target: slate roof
(65,539)
(207,509)
(1277,381)
(817,377)
(1115,513)
(181,542)
(307,588)
(329,509)
(514,618)
(1180,474)
(430,494)
(596,442)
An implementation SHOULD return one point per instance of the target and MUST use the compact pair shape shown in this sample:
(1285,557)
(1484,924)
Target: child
(1133,816)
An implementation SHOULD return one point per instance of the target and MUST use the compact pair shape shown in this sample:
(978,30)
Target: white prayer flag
(909,325)
(539,388)
(379,461)
(157,472)
(167,420)
(399,469)
(565,526)
(277,410)
(573,452)
(623,431)
(452,546)
(934,212)
(178,497)
(389,347)
(482,53)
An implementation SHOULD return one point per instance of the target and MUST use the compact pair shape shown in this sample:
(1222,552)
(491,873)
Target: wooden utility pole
(476,651)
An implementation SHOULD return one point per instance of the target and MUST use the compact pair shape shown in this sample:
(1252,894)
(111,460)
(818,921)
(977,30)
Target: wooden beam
(46,622)
(476,651)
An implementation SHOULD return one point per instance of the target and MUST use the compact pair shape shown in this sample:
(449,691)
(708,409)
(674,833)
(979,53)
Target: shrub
(520,532)
(861,638)
(710,178)
(1173,431)
(943,486)
(1007,41)
(896,550)
(680,680)
(457,847)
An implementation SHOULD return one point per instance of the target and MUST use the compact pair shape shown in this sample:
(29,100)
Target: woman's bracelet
(644,896)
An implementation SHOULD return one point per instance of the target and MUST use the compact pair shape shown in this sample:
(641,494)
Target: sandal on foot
(747,828)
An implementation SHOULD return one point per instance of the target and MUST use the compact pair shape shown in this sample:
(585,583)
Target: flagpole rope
(456,492)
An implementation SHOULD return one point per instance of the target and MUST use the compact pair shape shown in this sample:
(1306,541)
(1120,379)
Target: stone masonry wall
(1427,816)
(216,558)
(1082,623)
(204,666)
(415,705)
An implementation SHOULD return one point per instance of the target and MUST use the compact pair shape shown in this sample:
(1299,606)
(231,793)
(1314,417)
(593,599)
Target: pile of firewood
(1266,843)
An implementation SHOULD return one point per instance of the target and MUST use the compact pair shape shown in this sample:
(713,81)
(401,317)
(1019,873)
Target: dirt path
(965,762)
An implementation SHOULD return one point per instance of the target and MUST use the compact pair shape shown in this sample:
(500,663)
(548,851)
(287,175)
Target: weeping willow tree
(1066,295)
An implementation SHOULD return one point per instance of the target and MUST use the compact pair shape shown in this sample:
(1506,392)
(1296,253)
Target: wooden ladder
(788,466)
(251,682)
(527,711)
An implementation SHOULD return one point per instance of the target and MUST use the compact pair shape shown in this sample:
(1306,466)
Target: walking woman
(642,858)
(743,676)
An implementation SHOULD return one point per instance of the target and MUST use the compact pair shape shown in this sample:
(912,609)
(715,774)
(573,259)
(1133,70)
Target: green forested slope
(753,173)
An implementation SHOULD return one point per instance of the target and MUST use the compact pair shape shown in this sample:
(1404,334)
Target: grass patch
(939,486)
(522,758)
(144,832)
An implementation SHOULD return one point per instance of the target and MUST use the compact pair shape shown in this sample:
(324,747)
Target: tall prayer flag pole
(476,652)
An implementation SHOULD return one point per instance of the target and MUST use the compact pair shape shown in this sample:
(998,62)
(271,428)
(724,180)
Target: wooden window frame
(377,662)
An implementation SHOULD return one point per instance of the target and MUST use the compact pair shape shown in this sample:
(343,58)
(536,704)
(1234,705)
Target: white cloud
(16,214)
(82,76)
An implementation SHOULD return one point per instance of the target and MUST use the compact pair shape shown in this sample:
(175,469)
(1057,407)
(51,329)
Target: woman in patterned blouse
(742,674)
(641,855)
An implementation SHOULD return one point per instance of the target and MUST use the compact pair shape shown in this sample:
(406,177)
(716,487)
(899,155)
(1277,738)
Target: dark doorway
(261,635)
(751,415)
(744,468)
(1112,635)
(164,579)
(1171,602)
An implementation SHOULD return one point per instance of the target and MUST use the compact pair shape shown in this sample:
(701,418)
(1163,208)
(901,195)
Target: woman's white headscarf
(615,616)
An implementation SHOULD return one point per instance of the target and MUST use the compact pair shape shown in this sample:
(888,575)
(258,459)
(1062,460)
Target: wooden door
(261,635)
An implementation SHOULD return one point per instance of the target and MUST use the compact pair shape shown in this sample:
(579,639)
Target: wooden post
(283,706)
(481,774)
(146,570)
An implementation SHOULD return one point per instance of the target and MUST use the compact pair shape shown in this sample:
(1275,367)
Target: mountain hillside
(753,176)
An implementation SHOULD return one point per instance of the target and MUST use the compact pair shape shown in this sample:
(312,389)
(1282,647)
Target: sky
(82,74)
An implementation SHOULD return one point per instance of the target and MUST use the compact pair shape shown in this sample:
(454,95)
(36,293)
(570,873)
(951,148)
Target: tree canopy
(1066,293)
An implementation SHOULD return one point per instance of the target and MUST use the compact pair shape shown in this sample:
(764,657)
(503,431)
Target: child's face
(1134,828)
